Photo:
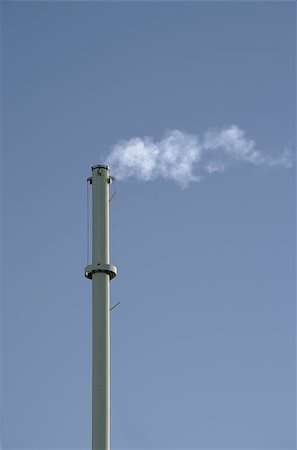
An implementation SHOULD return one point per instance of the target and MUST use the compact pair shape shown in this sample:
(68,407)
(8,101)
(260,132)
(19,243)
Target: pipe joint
(109,269)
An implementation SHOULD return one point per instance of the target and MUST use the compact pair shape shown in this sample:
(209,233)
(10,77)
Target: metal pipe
(100,272)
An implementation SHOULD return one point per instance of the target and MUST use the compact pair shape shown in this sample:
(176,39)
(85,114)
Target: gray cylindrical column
(100,272)
(100,310)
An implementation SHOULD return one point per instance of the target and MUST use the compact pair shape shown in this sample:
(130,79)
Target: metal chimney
(100,272)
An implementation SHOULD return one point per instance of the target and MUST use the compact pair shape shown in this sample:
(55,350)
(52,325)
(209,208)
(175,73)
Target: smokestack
(100,272)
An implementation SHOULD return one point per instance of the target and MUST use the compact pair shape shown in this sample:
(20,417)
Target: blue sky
(203,343)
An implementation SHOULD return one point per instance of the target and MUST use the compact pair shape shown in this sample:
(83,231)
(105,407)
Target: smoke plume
(185,157)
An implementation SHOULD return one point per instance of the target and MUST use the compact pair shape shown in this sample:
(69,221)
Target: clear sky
(203,343)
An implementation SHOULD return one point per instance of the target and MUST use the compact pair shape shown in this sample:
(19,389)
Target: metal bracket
(104,268)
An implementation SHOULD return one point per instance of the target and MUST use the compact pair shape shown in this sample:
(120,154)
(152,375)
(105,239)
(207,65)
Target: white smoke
(185,157)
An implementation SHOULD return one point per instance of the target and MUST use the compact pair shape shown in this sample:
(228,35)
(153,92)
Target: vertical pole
(100,318)
(100,272)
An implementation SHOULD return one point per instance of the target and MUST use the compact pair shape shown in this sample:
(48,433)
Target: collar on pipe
(109,269)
